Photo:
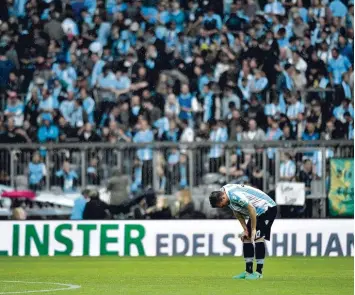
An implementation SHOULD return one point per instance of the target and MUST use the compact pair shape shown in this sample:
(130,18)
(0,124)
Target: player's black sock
(248,252)
(259,256)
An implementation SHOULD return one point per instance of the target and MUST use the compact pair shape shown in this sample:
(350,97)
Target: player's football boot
(254,276)
(242,276)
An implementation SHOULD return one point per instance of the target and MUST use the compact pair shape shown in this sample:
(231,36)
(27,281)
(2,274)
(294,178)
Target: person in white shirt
(287,168)
(229,97)
(188,134)
(298,62)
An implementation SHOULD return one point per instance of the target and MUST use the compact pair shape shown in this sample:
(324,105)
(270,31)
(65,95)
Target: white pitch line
(68,287)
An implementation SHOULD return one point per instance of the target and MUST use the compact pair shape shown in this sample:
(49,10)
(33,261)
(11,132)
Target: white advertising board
(172,237)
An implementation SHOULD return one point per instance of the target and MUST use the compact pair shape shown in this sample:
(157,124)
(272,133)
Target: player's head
(218,199)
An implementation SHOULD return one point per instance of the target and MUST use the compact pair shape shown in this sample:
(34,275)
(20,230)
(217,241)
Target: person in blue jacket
(79,205)
(67,178)
(48,131)
(36,173)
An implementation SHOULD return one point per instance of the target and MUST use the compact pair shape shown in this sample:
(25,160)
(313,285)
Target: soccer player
(253,204)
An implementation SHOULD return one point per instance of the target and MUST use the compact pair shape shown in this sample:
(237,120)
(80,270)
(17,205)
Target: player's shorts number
(257,234)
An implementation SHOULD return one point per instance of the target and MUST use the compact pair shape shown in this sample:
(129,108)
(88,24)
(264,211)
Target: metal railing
(171,166)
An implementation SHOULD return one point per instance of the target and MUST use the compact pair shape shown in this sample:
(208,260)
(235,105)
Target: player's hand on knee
(253,234)
(244,235)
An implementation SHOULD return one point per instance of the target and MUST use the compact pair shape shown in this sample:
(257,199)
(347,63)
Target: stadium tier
(149,105)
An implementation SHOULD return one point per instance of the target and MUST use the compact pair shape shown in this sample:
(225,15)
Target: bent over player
(253,204)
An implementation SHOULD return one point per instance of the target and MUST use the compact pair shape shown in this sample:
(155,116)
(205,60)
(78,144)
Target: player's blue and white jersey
(242,195)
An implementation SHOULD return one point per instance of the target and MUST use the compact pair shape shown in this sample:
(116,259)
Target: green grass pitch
(176,276)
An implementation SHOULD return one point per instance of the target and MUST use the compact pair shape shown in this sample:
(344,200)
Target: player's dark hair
(215,198)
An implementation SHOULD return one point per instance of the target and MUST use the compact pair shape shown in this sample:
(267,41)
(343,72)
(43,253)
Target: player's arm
(241,220)
(252,215)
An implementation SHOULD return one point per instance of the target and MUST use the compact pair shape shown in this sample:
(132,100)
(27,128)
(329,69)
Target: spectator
(337,66)
(14,109)
(287,133)
(228,98)
(345,106)
(274,7)
(306,176)
(88,135)
(338,9)
(118,184)
(68,179)
(48,103)
(300,126)
(76,117)
(294,108)
(273,133)
(254,133)
(172,107)
(19,214)
(347,94)
(67,106)
(92,172)
(218,134)
(31,111)
(12,134)
(207,96)
(88,105)
(95,209)
(152,113)
(53,28)
(185,205)
(299,26)
(349,126)
(310,133)
(274,109)
(172,134)
(145,135)
(185,100)
(65,74)
(36,173)
(161,210)
(6,67)
(79,205)
(48,132)
(259,84)
(298,62)
(346,48)
(211,21)
(162,126)
(188,134)
(286,81)
(14,83)
(287,168)
(183,171)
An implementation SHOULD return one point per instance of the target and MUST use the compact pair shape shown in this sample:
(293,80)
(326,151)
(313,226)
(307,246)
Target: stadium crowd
(158,70)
